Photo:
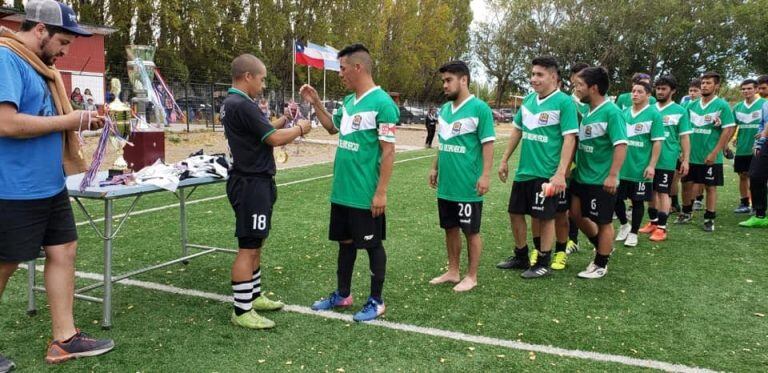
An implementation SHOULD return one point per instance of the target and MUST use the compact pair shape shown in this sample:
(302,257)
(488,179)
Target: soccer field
(696,300)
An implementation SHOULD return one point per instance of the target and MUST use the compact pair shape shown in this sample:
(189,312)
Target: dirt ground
(318,147)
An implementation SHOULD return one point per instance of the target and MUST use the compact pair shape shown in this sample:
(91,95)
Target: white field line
(192,202)
(515,345)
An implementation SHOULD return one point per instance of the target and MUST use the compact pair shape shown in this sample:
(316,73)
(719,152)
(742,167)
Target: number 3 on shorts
(259,222)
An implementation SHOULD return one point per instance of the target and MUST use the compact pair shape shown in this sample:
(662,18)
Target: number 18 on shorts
(466,215)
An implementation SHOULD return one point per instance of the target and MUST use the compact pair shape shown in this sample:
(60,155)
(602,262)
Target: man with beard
(713,125)
(546,125)
(461,172)
(362,169)
(675,149)
(601,152)
(35,210)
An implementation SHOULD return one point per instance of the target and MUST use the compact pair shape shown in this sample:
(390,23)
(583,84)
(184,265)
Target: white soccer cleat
(631,240)
(623,232)
(593,271)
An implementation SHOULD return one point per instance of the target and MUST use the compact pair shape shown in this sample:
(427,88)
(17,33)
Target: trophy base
(112,173)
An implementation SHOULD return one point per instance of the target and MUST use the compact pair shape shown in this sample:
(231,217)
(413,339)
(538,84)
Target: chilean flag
(309,55)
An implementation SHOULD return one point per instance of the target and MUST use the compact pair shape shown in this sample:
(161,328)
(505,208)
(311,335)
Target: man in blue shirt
(758,170)
(35,210)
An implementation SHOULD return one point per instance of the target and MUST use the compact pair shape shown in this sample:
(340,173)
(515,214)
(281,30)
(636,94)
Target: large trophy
(147,133)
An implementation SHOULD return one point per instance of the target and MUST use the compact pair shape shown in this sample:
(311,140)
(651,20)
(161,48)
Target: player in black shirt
(251,187)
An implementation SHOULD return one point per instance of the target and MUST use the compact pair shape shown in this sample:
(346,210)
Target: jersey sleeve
(657,128)
(386,121)
(255,121)
(617,129)
(726,116)
(518,121)
(684,125)
(569,120)
(10,80)
(485,130)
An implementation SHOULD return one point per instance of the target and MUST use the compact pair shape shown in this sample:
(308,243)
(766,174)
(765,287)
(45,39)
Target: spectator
(77,99)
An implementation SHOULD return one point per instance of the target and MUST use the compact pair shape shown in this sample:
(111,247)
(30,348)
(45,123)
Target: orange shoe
(659,235)
(648,228)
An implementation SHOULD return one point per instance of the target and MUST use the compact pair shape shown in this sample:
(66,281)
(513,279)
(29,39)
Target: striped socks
(256,283)
(243,296)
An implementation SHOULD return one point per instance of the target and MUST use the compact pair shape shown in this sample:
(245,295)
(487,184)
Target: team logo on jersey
(588,131)
(755,114)
(456,128)
(638,127)
(666,120)
(707,118)
(543,118)
(356,122)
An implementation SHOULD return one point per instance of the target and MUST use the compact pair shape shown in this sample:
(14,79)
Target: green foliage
(679,37)
(409,39)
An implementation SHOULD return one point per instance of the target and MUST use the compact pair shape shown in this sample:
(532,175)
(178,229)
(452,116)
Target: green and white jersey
(543,122)
(748,119)
(643,129)
(705,134)
(362,123)
(624,100)
(676,124)
(462,131)
(600,131)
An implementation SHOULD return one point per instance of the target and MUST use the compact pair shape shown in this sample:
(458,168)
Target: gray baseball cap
(54,13)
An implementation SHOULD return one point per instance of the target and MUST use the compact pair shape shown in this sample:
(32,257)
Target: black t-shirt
(246,128)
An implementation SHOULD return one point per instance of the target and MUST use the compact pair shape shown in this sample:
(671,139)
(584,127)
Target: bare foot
(446,277)
(466,284)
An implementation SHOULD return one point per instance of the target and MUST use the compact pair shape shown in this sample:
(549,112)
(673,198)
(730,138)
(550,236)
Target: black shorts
(662,181)
(596,203)
(466,215)
(703,174)
(358,225)
(564,201)
(741,163)
(634,190)
(252,199)
(527,199)
(28,225)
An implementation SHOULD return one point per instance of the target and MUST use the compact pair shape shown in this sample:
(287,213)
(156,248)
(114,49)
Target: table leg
(31,306)
(183,221)
(106,322)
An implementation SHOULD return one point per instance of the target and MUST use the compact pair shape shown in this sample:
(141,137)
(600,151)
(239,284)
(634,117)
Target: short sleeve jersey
(362,123)
(601,130)
(676,124)
(643,129)
(705,133)
(246,128)
(29,168)
(748,118)
(543,123)
(462,131)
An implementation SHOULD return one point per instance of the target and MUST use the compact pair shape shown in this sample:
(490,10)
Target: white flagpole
(293,71)
(309,80)
(323,84)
